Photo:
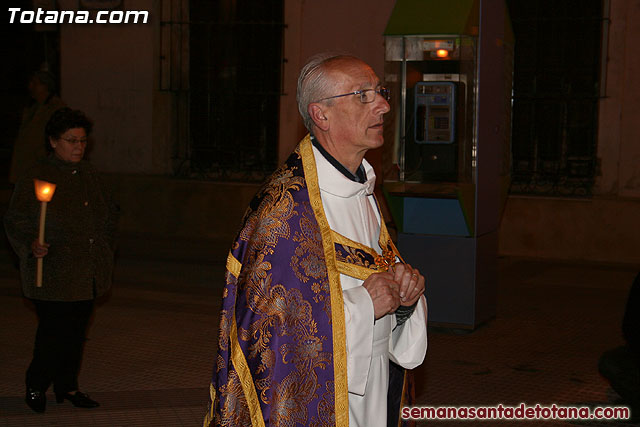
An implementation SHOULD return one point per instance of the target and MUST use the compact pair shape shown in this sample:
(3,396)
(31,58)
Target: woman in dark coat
(77,256)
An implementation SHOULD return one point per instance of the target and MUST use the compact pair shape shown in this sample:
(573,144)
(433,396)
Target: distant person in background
(621,366)
(78,256)
(28,147)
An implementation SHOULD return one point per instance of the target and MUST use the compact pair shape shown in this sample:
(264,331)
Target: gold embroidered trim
(241,366)
(341,396)
(345,241)
(385,260)
(353,270)
(385,238)
(396,251)
(209,417)
(237,357)
(233,265)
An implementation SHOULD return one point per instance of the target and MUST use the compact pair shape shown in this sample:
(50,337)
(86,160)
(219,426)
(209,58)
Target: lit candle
(44,193)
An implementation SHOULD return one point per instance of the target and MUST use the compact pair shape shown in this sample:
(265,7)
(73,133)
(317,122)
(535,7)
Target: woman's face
(70,146)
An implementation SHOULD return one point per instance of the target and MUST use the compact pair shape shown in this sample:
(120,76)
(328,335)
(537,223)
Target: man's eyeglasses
(366,95)
(74,141)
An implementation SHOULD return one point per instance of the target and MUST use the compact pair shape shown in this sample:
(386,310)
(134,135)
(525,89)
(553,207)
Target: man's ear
(318,116)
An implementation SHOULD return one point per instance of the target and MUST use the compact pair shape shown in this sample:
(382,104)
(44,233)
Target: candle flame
(44,190)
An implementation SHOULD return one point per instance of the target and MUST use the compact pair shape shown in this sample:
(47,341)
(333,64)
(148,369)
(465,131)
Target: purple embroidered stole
(282,349)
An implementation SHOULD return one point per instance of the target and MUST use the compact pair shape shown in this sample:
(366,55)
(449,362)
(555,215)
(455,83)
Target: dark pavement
(152,341)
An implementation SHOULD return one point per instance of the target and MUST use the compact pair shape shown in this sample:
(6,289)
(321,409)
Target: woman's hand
(39,250)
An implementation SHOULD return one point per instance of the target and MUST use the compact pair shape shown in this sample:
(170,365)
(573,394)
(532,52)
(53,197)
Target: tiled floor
(553,322)
(152,343)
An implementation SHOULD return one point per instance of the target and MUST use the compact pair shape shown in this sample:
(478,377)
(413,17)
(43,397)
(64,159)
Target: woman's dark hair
(61,121)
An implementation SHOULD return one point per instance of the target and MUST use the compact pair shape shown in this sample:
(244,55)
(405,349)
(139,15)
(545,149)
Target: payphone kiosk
(434,112)
(432,141)
(446,154)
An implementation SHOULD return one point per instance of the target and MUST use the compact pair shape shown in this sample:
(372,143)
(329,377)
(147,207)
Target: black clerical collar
(359,177)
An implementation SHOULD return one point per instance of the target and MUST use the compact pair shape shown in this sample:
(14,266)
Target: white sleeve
(408,343)
(359,318)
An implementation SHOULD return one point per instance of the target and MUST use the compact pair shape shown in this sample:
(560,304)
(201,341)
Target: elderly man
(316,302)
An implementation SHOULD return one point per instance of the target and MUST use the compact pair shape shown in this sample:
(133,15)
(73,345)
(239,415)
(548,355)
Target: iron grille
(555,96)
(222,61)
(235,78)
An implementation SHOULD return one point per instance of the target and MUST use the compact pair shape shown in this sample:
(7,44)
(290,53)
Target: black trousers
(60,338)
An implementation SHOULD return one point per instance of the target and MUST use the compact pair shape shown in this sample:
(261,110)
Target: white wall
(353,26)
(619,114)
(107,71)
(605,227)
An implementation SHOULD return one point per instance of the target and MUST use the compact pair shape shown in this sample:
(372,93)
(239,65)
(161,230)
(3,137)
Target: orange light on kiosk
(442,53)
(44,193)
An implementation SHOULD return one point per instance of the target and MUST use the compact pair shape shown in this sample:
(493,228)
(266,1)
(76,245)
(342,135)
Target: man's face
(351,122)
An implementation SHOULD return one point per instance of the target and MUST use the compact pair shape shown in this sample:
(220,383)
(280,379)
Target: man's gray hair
(313,83)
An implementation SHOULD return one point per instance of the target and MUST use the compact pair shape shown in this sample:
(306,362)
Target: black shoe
(78,399)
(36,400)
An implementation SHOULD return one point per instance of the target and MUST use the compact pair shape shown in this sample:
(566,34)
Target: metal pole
(403,111)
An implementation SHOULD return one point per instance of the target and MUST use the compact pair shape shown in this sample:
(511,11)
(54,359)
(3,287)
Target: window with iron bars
(235,80)
(555,96)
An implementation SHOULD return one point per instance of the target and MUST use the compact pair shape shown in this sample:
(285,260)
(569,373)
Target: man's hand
(39,250)
(410,281)
(383,290)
